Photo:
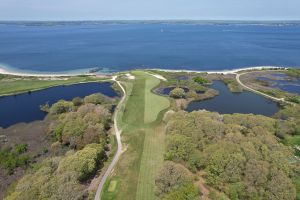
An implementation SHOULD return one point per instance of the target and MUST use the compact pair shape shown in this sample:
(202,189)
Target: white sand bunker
(130,76)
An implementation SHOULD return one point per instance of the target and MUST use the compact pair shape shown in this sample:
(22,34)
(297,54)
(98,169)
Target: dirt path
(256,91)
(119,150)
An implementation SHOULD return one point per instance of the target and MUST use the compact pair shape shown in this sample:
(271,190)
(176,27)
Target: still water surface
(26,107)
(227,102)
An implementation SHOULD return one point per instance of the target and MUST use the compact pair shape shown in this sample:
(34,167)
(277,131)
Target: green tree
(185,192)
(97,98)
(179,147)
(61,107)
(171,177)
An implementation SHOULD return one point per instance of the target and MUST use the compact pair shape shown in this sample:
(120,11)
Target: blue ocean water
(121,46)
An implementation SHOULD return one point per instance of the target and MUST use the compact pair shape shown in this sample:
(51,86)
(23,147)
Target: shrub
(185,192)
(200,80)
(12,158)
(77,101)
(177,93)
(21,148)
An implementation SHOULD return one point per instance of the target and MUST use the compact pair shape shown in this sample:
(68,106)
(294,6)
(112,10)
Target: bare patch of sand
(130,76)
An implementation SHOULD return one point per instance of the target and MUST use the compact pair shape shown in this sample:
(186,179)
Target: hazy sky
(149,9)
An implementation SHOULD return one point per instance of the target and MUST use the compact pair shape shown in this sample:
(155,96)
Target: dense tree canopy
(85,125)
(239,153)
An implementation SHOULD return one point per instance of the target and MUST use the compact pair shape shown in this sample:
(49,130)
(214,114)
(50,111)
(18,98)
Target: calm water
(25,107)
(227,102)
(121,46)
(284,83)
(167,90)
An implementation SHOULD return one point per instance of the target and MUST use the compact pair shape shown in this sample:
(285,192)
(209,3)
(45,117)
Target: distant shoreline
(54,74)
(42,74)
(229,71)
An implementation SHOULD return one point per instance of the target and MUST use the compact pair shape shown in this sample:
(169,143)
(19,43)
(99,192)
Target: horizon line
(159,20)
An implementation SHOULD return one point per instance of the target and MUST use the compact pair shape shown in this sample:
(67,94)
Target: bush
(13,158)
(21,148)
(185,192)
(200,80)
(177,93)
(77,101)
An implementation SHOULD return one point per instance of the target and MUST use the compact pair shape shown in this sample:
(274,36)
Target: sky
(60,10)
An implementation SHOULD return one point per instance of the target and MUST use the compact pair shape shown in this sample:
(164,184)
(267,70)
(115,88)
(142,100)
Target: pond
(283,82)
(167,90)
(26,107)
(227,102)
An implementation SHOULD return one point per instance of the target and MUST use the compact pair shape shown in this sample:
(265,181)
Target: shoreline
(228,71)
(37,74)
(54,74)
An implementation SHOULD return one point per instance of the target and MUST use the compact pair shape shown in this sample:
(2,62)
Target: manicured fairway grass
(15,85)
(153,103)
(143,136)
(152,159)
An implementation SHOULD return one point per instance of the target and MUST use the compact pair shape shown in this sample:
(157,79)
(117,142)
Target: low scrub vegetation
(12,157)
(60,177)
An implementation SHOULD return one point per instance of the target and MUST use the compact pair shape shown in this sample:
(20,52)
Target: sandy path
(119,150)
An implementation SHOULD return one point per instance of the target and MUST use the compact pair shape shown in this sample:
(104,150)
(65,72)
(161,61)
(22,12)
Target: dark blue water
(227,102)
(284,82)
(167,90)
(26,107)
(71,46)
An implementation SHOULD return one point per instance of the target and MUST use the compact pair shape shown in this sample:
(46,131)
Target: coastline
(54,74)
(37,74)
(229,71)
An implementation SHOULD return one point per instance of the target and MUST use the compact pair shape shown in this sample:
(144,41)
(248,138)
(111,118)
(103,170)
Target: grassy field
(143,136)
(14,85)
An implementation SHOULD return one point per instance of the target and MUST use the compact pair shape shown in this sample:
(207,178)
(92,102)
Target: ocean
(118,46)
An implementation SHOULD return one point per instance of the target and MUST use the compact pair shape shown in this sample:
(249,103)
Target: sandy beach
(230,71)
(37,74)
(49,74)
